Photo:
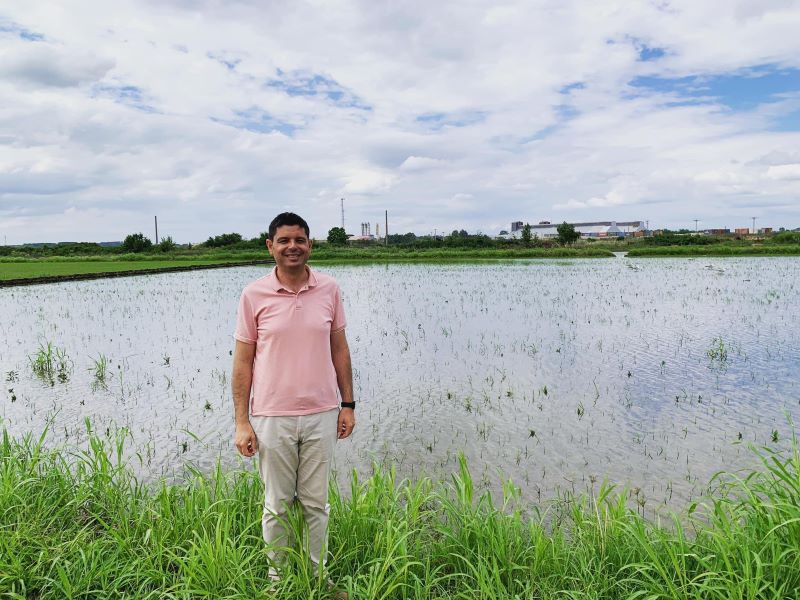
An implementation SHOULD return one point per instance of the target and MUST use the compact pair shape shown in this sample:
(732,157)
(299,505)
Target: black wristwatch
(349,405)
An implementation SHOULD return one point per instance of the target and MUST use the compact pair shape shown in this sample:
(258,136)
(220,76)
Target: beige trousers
(295,456)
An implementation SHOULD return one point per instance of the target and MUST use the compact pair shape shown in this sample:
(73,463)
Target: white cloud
(449,115)
(39,64)
(365,182)
(421,163)
(791,171)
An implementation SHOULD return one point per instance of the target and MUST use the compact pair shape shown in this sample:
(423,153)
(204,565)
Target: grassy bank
(16,268)
(37,268)
(400,254)
(81,526)
(717,250)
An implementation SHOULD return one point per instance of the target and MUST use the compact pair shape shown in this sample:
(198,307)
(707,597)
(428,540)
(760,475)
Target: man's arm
(340,353)
(241,382)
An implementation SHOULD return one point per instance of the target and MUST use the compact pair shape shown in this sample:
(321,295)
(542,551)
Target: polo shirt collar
(277,286)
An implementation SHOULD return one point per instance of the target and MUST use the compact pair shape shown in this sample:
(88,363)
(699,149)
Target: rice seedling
(718,352)
(459,353)
(99,370)
(50,363)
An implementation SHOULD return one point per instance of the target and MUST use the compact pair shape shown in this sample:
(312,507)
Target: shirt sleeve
(246,326)
(339,322)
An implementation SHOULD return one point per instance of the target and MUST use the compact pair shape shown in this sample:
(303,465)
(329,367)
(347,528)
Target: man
(291,350)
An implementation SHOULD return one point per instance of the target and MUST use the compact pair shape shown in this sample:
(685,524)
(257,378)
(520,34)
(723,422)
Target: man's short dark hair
(287,218)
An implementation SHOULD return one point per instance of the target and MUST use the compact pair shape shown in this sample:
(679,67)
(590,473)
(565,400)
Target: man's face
(290,247)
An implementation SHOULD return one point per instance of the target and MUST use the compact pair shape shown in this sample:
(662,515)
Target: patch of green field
(79,525)
(50,268)
(717,250)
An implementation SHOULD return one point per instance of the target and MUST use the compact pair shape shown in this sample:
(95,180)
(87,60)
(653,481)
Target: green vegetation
(137,252)
(49,362)
(337,236)
(100,371)
(567,234)
(717,250)
(167,244)
(226,239)
(527,236)
(80,525)
(137,242)
(411,253)
(26,269)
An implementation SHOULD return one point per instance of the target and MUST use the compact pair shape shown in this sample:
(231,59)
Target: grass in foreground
(80,526)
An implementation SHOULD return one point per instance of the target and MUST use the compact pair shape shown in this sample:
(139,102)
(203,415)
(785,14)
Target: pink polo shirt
(293,371)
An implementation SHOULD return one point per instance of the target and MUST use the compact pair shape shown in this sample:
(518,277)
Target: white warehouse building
(597,229)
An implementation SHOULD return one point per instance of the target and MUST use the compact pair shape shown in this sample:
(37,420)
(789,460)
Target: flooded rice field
(651,373)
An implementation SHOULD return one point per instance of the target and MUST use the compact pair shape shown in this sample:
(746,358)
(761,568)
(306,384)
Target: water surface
(651,373)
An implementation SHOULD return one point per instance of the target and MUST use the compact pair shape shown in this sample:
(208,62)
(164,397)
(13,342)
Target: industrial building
(597,229)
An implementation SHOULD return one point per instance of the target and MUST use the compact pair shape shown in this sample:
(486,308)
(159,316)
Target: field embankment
(716,250)
(79,525)
(410,253)
(25,272)
(21,271)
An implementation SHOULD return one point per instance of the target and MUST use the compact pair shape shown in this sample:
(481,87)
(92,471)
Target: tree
(526,234)
(566,233)
(167,245)
(136,242)
(337,236)
(226,239)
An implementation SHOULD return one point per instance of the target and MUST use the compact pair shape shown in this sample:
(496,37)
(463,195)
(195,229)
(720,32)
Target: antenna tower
(342,201)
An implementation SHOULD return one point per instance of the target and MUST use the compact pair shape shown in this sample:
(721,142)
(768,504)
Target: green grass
(717,250)
(81,526)
(27,269)
(411,254)
(15,268)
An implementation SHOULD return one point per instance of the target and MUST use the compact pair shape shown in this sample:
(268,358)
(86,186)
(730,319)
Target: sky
(215,115)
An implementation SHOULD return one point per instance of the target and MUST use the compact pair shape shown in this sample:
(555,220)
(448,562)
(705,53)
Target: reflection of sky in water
(555,373)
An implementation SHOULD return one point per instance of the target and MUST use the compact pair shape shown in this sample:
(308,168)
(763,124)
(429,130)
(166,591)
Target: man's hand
(245,440)
(347,421)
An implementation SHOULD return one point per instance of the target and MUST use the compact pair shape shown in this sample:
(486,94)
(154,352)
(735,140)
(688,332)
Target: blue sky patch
(743,90)
(578,85)
(648,54)
(787,122)
(313,85)
(437,120)
(129,95)
(228,63)
(25,34)
(258,120)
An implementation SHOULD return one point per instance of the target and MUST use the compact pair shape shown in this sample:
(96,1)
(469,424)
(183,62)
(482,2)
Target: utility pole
(342,201)
(695,225)
(754,225)
(386,227)
(156,219)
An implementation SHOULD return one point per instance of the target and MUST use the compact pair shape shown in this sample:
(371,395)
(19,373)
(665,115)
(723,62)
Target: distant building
(718,231)
(366,234)
(597,229)
(516,226)
(742,231)
(765,230)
